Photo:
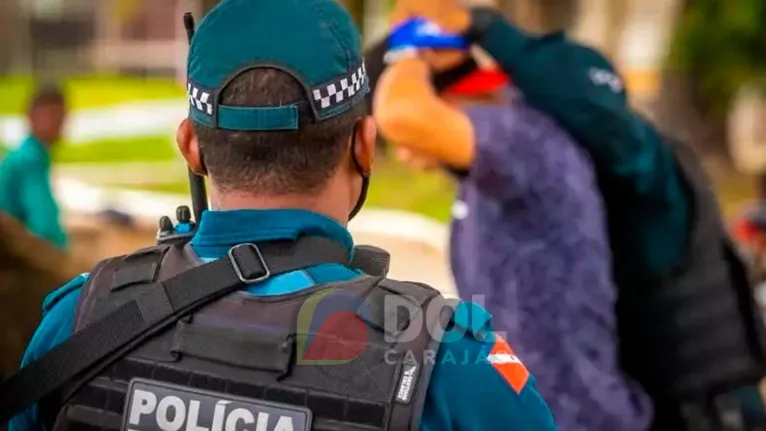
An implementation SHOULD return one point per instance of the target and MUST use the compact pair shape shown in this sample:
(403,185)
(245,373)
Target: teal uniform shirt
(25,190)
(648,206)
(463,393)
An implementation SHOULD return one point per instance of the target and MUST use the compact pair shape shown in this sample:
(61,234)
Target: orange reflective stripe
(505,361)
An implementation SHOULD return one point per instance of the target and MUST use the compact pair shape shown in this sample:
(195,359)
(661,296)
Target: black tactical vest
(697,332)
(233,364)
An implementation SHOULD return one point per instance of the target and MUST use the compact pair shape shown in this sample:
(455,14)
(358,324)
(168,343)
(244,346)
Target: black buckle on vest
(249,270)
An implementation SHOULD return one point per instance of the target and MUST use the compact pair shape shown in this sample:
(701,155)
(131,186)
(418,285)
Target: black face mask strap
(365,177)
(445,79)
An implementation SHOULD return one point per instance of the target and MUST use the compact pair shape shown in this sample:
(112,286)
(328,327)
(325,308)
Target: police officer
(688,325)
(285,334)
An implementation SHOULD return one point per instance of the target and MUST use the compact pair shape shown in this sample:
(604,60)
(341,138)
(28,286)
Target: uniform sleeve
(40,207)
(482,385)
(56,326)
(638,174)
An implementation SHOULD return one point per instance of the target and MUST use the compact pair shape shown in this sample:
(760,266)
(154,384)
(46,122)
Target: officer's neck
(320,203)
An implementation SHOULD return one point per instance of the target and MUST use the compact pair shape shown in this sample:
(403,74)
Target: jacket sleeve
(56,326)
(481,385)
(580,89)
(40,207)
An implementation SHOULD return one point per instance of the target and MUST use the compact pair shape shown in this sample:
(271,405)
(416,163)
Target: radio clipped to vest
(181,231)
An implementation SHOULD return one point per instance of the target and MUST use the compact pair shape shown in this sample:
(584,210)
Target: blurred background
(695,66)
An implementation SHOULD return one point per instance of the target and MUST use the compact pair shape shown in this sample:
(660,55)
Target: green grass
(397,186)
(394,186)
(144,149)
(89,92)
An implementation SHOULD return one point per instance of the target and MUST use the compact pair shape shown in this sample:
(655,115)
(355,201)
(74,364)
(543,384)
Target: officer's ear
(365,142)
(187,142)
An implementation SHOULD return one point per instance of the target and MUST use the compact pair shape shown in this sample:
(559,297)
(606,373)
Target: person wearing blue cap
(528,230)
(270,318)
(681,288)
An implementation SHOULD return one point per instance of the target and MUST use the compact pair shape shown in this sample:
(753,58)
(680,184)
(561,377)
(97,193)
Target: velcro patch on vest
(154,406)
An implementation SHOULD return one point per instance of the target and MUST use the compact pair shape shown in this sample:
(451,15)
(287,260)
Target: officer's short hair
(49,94)
(275,162)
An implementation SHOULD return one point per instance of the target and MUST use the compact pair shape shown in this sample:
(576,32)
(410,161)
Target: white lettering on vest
(405,387)
(193,419)
(172,413)
(285,423)
(178,413)
(263,422)
(219,413)
(237,415)
(144,403)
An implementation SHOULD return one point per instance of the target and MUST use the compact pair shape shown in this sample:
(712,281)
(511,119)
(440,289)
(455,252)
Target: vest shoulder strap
(97,345)
(118,273)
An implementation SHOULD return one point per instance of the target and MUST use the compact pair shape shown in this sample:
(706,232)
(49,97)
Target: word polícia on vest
(158,406)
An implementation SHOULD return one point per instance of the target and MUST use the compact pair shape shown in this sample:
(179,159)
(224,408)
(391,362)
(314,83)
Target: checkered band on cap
(200,99)
(340,90)
(327,99)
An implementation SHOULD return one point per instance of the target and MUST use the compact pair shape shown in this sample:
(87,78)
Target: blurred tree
(125,10)
(559,14)
(540,15)
(208,4)
(355,7)
(617,13)
(12,26)
(718,47)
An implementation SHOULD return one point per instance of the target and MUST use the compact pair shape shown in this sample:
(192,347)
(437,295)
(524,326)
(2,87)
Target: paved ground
(414,261)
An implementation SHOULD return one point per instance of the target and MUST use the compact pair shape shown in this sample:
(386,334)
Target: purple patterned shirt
(529,234)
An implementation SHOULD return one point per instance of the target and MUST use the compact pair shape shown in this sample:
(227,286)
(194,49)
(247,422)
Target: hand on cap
(418,34)
(449,14)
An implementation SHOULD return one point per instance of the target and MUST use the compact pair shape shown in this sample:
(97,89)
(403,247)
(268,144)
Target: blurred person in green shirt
(25,184)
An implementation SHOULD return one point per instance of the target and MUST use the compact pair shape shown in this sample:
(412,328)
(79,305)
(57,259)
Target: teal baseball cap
(315,41)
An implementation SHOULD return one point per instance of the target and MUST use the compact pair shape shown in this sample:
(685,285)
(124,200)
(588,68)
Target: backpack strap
(100,344)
